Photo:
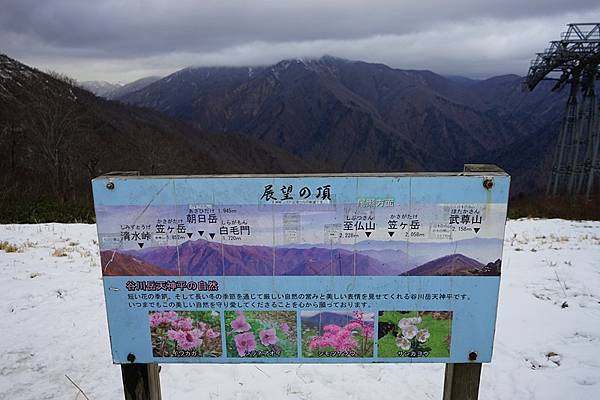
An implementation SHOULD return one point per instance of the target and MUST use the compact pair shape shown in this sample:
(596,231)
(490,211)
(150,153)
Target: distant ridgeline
(328,115)
(355,116)
(55,137)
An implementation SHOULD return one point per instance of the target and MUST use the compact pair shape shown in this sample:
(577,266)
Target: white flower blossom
(409,332)
(404,323)
(403,343)
(423,335)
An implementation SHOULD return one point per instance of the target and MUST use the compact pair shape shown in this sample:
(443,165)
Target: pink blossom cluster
(334,336)
(186,340)
(162,318)
(182,329)
(245,341)
(342,338)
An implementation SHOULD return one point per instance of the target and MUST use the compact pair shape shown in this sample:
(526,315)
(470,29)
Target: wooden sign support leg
(141,381)
(461,381)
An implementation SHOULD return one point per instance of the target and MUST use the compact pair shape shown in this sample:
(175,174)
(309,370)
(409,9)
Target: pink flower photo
(337,334)
(261,333)
(185,333)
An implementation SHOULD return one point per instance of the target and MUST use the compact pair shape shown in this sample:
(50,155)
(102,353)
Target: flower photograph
(185,333)
(261,333)
(414,334)
(337,334)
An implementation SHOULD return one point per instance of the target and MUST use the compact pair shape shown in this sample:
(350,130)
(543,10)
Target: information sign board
(300,269)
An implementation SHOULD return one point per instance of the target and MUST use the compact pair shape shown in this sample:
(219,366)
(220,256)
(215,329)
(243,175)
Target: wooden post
(461,381)
(141,381)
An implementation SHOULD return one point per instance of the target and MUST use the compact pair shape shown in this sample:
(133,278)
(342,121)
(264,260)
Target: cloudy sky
(124,40)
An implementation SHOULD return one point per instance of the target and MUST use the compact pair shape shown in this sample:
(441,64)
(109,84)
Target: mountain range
(402,255)
(205,258)
(353,116)
(119,264)
(318,115)
(202,257)
(453,264)
(112,91)
(55,137)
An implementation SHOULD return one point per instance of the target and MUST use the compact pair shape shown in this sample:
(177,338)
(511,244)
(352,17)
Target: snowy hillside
(547,341)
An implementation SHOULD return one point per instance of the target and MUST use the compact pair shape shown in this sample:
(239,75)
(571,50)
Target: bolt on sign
(299,269)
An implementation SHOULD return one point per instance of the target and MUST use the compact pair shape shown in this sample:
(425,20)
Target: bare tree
(152,150)
(11,140)
(55,122)
(63,78)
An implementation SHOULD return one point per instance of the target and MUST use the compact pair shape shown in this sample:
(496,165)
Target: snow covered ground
(547,340)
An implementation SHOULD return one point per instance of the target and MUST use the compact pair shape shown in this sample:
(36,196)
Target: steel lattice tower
(573,60)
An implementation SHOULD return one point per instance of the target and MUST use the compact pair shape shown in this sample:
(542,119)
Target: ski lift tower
(573,60)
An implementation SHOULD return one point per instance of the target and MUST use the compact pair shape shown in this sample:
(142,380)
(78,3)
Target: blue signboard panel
(300,269)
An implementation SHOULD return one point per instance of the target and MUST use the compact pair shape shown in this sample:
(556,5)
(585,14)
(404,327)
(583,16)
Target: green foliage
(307,334)
(43,211)
(565,207)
